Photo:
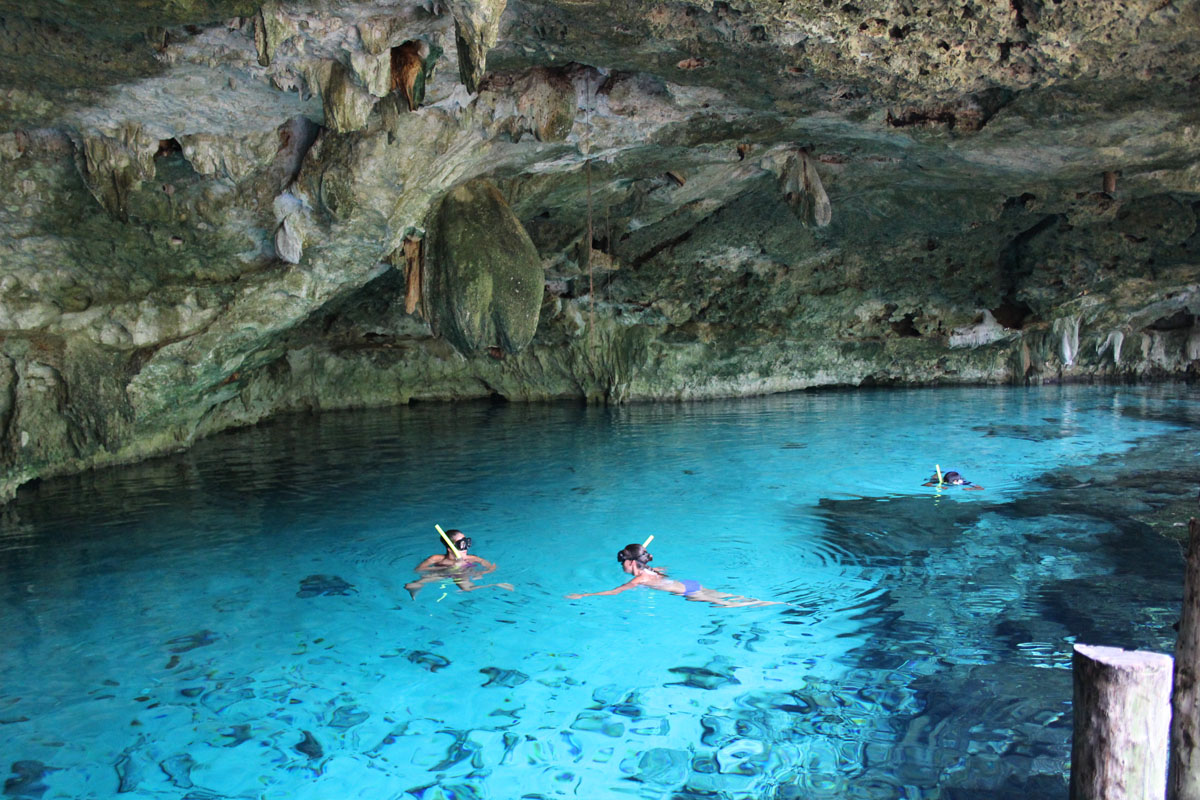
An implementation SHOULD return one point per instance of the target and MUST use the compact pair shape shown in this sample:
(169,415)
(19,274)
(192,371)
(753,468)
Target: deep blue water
(232,622)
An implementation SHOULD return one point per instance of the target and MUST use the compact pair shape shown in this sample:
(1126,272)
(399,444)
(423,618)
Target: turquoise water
(232,622)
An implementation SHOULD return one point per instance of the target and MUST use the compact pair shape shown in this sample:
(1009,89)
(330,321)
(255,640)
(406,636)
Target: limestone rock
(292,215)
(484,272)
(476,30)
(232,158)
(803,190)
(372,71)
(115,166)
(272,27)
(540,101)
(346,103)
(8,392)
(39,430)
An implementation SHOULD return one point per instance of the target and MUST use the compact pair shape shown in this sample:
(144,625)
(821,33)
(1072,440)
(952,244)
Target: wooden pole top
(1126,659)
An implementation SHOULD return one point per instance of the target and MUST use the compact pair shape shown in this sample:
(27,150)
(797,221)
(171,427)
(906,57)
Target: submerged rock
(427,660)
(318,585)
(309,746)
(184,644)
(504,677)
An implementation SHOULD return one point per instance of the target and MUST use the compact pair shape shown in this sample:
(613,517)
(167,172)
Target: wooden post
(1122,704)
(1184,780)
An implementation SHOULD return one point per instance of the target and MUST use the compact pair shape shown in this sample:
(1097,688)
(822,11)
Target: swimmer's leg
(747,602)
(466,585)
(729,600)
(415,586)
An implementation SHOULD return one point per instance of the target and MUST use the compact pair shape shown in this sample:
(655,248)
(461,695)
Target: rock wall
(213,213)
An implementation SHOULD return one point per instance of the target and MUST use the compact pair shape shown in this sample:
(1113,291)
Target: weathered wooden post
(1122,703)
(1184,781)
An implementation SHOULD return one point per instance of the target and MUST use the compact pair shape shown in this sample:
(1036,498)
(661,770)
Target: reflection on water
(232,621)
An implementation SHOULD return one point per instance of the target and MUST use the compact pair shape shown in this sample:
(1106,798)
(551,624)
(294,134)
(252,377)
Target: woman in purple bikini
(634,559)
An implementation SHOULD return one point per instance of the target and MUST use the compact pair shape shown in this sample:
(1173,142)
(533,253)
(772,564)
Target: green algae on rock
(485,275)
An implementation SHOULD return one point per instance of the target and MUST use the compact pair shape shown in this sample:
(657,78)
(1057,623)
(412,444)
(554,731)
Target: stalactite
(1067,328)
(414,266)
(802,188)
(408,72)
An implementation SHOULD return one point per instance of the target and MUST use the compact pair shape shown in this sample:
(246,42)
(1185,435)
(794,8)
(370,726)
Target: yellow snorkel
(450,543)
(646,543)
(935,466)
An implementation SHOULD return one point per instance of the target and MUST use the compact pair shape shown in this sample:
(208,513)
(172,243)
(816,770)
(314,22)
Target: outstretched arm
(623,587)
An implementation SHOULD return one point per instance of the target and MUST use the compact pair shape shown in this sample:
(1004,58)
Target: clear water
(163,633)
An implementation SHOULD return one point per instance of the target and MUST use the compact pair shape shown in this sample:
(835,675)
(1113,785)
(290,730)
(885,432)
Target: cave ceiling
(217,211)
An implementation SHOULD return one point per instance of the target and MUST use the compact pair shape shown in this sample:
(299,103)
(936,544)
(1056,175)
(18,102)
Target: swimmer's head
(952,477)
(461,540)
(635,552)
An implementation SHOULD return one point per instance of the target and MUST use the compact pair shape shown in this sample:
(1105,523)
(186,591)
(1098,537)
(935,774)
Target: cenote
(232,622)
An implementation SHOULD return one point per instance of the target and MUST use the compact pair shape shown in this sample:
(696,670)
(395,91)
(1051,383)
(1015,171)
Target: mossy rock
(485,276)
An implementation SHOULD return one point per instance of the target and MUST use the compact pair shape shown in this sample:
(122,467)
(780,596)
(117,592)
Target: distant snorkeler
(951,479)
(460,568)
(634,559)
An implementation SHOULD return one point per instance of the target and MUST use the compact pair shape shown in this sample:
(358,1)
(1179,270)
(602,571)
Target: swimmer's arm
(973,487)
(633,584)
(429,563)
(484,563)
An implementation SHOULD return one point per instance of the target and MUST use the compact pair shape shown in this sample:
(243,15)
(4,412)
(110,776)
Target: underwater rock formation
(211,210)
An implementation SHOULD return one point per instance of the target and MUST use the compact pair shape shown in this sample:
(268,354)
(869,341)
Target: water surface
(232,622)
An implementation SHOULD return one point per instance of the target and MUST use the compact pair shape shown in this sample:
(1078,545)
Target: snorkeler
(952,479)
(459,568)
(634,559)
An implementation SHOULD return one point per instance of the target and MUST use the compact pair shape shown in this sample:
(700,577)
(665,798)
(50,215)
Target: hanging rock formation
(476,31)
(408,72)
(803,190)
(485,275)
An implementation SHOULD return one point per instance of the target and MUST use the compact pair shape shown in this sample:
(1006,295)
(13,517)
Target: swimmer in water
(634,559)
(952,479)
(461,569)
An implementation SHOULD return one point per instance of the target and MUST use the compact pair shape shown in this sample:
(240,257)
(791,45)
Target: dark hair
(461,544)
(635,552)
(951,477)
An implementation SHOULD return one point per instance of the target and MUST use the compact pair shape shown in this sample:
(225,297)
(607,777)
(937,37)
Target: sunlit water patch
(233,622)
